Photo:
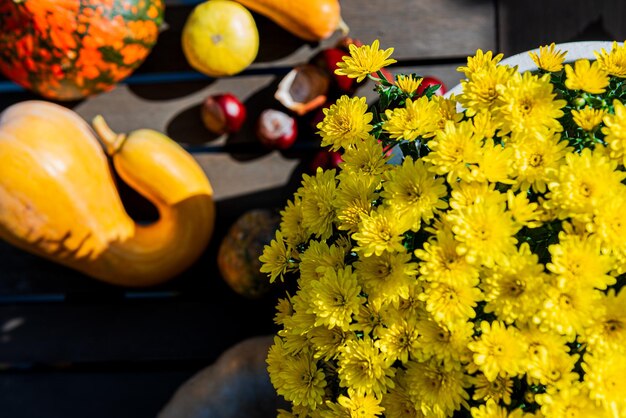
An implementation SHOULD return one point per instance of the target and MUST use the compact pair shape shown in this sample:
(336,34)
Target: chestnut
(276,129)
(223,113)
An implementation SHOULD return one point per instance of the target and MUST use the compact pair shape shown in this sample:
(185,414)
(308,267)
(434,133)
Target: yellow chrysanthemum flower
(492,410)
(335,298)
(369,319)
(295,342)
(319,257)
(399,340)
(613,62)
(555,370)
(355,195)
(291,223)
(465,195)
(480,93)
(318,193)
(446,344)
(588,118)
(345,123)
(326,342)
(399,404)
(604,376)
(443,263)
(453,150)
(379,232)
(498,351)
(300,321)
(364,369)
(362,406)
(303,382)
(572,402)
(580,259)
(527,102)
(277,258)
(486,233)
(439,390)
(610,227)
(543,342)
(408,83)
(583,183)
(284,309)
(386,277)
(365,159)
(450,303)
(549,58)
(447,110)
(497,390)
(275,363)
(494,164)
(410,306)
(513,288)
(537,159)
(419,118)
(523,211)
(607,334)
(414,193)
(282,413)
(586,76)
(364,60)
(568,309)
(480,62)
(485,125)
(615,131)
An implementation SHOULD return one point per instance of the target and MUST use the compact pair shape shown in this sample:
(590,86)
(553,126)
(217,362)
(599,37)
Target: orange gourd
(311,20)
(71,49)
(58,199)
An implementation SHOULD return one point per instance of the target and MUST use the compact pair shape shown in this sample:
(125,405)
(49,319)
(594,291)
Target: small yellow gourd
(58,199)
(311,20)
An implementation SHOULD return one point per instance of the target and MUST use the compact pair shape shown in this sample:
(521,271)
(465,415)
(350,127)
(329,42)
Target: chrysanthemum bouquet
(480,274)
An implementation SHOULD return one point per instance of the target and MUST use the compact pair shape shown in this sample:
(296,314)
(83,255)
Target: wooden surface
(74,347)
(525,25)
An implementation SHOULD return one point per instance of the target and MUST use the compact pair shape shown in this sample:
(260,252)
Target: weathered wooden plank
(424,28)
(527,25)
(132,331)
(94,394)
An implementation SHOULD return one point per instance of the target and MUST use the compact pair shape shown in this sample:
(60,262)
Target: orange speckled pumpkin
(70,49)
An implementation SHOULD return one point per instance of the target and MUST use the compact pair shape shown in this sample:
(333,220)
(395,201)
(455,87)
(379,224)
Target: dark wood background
(74,347)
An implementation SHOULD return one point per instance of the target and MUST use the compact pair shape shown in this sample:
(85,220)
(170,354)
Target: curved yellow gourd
(58,198)
(311,20)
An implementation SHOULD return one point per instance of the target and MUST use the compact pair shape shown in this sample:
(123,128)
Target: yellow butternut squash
(58,199)
(311,20)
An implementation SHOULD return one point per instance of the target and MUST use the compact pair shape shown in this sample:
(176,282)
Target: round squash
(71,49)
(237,385)
(220,38)
(238,255)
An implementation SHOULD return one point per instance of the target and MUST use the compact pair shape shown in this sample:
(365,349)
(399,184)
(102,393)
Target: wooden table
(74,347)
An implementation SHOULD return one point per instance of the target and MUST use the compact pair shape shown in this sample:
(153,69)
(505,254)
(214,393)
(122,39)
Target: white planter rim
(575,51)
